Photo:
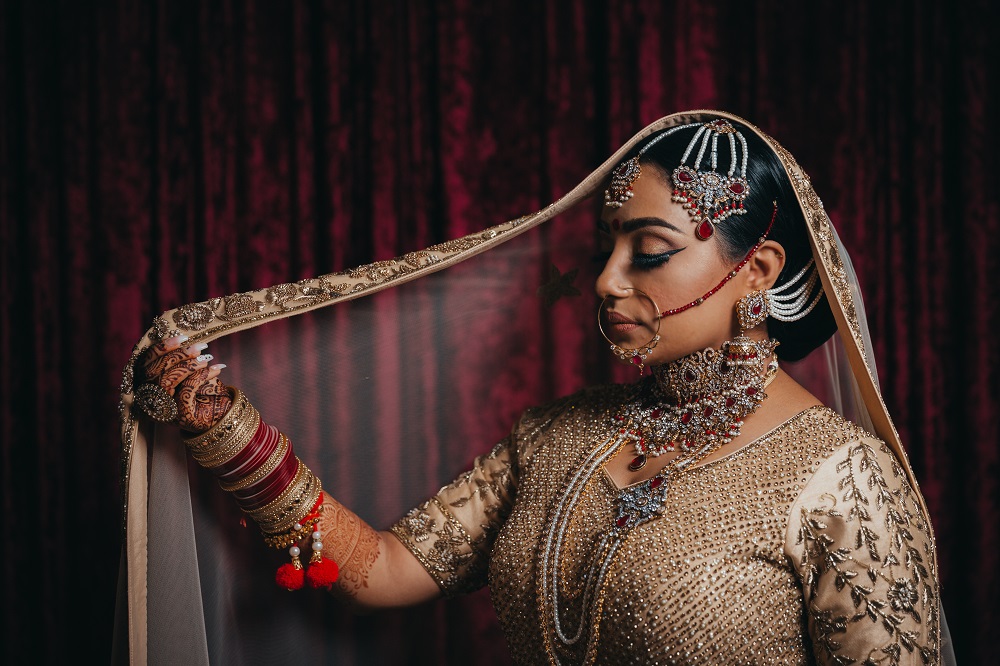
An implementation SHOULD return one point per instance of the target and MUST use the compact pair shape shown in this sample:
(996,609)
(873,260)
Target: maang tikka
(708,196)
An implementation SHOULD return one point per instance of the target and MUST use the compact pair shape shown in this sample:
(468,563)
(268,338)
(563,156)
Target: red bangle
(271,486)
(253,455)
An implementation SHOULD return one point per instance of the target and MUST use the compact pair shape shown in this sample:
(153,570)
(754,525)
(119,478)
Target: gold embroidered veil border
(177,593)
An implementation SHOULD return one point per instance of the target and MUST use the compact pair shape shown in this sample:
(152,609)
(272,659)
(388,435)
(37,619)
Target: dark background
(159,153)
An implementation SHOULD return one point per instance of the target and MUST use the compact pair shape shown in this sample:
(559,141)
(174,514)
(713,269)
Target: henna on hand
(169,368)
(202,399)
(349,542)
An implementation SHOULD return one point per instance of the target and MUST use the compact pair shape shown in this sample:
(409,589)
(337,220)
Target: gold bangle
(291,510)
(279,515)
(266,468)
(299,508)
(281,541)
(233,429)
(275,506)
(232,445)
(236,414)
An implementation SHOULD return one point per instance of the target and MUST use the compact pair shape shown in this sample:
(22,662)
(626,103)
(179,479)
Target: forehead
(651,197)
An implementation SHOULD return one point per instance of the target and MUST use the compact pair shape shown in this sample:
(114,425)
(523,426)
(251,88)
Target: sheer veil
(439,361)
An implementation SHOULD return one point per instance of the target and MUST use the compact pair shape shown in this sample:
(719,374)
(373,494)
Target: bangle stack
(255,462)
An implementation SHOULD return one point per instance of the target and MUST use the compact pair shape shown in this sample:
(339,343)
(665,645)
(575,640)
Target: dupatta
(195,585)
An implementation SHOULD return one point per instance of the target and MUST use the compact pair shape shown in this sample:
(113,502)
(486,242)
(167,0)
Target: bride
(714,511)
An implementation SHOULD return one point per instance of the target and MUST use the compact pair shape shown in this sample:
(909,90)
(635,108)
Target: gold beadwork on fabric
(721,577)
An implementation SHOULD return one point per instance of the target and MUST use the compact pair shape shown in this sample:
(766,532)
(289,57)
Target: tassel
(291,576)
(322,572)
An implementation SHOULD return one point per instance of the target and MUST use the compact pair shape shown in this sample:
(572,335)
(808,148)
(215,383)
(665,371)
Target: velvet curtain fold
(159,153)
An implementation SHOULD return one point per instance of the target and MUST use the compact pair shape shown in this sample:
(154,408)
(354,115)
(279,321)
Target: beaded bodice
(736,569)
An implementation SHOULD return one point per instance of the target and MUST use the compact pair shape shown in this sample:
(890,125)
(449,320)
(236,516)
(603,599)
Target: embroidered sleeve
(452,533)
(863,549)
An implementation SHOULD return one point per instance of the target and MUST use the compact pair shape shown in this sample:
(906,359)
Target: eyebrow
(639,223)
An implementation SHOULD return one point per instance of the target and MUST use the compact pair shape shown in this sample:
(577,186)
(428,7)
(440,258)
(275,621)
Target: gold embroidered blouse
(806,546)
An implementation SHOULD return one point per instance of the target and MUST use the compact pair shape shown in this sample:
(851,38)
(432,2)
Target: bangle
(287,509)
(255,462)
(240,436)
(297,507)
(261,445)
(237,414)
(267,490)
(270,464)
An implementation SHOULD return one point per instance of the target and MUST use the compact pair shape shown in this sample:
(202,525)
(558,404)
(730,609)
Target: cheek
(682,282)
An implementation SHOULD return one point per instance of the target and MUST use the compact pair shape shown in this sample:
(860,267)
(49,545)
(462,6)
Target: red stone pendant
(637,463)
(705,230)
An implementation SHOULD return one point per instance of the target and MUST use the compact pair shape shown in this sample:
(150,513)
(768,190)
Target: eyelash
(650,261)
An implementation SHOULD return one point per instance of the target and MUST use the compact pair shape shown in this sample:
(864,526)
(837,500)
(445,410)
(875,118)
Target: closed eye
(651,261)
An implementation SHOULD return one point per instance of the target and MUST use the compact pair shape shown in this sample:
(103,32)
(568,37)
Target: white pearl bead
(296,526)
(294,551)
(317,546)
(317,535)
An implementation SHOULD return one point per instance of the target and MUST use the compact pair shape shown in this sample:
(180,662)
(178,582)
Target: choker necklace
(696,404)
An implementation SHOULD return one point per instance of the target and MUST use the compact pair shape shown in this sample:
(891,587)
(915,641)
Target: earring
(752,310)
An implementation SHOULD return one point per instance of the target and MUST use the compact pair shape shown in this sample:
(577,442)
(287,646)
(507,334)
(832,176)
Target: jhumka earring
(638,355)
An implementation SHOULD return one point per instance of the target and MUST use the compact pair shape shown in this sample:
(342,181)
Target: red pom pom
(323,573)
(290,577)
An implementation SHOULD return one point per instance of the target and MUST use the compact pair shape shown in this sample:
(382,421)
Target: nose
(612,281)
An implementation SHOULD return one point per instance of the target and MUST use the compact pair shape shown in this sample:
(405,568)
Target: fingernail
(175,341)
(218,366)
(204,358)
(194,349)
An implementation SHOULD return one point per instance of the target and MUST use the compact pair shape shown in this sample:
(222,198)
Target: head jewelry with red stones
(708,195)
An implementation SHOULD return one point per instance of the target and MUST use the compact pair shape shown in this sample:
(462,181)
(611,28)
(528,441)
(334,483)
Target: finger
(189,386)
(187,393)
(216,370)
(178,372)
(214,386)
(169,344)
(202,400)
(157,366)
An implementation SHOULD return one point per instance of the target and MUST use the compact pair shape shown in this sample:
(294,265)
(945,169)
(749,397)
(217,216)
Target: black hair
(738,233)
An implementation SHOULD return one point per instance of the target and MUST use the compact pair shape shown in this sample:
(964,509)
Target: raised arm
(257,465)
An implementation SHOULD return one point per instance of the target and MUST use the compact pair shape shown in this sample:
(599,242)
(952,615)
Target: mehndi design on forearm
(351,542)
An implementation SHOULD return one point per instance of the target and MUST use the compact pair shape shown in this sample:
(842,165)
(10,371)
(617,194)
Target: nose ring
(638,355)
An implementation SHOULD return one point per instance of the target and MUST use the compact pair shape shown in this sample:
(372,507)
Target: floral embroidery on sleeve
(452,533)
(864,564)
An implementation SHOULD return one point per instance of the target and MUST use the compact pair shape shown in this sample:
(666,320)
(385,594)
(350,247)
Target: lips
(618,318)
(619,323)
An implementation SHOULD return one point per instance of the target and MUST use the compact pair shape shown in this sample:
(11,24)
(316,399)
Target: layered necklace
(695,405)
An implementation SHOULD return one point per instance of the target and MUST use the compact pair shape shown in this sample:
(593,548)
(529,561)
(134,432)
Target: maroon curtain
(159,153)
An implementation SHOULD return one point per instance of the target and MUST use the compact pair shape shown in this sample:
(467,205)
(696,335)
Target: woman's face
(653,249)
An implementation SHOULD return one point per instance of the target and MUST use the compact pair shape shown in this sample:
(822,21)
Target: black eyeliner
(653,260)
